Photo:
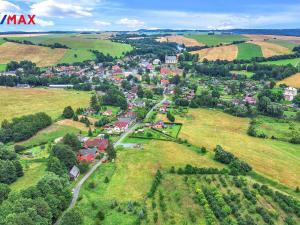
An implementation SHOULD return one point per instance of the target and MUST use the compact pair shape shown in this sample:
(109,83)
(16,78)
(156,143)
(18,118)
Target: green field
(243,72)
(15,102)
(217,38)
(81,46)
(131,177)
(248,51)
(2,67)
(284,43)
(274,159)
(295,62)
(1,41)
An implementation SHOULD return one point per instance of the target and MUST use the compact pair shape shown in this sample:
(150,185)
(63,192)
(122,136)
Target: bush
(19,148)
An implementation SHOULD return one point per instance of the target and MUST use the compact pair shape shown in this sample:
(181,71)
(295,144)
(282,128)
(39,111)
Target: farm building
(74,173)
(99,143)
(171,59)
(87,154)
(289,93)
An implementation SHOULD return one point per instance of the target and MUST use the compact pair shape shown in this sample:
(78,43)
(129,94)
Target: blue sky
(100,15)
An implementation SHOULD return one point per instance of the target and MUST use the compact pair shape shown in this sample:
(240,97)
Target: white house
(171,60)
(289,93)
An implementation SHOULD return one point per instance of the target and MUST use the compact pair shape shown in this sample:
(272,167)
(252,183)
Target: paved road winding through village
(77,188)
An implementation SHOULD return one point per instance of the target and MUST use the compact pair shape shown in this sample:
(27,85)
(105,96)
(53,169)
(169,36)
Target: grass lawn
(131,177)
(248,51)
(2,67)
(280,129)
(216,39)
(274,159)
(244,72)
(15,102)
(34,170)
(48,135)
(295,62)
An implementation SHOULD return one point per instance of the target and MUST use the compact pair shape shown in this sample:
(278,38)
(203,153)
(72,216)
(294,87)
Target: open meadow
(275,159)
(294,62)
(248,51)
(15,102)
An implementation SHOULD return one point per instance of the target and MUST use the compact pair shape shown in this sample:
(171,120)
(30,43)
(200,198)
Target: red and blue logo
(18,20)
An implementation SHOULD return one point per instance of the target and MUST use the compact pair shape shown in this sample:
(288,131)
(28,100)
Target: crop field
(292,81)
(248,51)
(295,62)
(15,102)
(81,46)
(131,176)
(216,39)
(257,37)
(288,44)
(180,40)
(42,56)
(275,159)
(223,53)
(270,49)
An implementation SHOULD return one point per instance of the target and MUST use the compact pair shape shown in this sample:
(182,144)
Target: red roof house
(100,144)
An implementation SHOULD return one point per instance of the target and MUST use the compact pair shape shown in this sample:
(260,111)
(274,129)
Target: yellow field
(180,40)
(15,102)
(136,168)
(277,160)
(255,37)
(223,53)
(270,49)
(292,81)
(42,56)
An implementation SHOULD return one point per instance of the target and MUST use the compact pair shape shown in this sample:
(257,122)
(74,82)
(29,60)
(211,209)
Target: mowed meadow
(15,102)
(274,159)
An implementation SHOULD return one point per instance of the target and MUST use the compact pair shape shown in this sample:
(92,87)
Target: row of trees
(26,42)
(24,127)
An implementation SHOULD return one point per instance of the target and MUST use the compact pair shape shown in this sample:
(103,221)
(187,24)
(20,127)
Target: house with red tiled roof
(121,126)
(99,143)
(164,82)
(87,154)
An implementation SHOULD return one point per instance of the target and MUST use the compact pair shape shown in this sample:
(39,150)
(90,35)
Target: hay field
(15,102)
(189,42)
(42,56)
(292,81)
(274,159)
(223,53)
(257,37)
(270,49)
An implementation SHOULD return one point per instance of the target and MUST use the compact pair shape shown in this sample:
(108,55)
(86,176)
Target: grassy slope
(132,175)
(294,62)
(216,39)
(80,45)
(284,43)
(2,67)
(248,51)
(16,102)
(275,159)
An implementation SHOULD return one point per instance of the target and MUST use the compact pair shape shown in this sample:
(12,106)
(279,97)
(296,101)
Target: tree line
(26,42)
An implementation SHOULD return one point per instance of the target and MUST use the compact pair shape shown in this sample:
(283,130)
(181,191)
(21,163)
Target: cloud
(131,23)
(101,23)
(55,8)
(6,6)
(44,23)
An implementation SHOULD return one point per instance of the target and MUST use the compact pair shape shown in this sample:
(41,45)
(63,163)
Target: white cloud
(131,23)
(101,23)
(44,23)
(55,8)
(6,6)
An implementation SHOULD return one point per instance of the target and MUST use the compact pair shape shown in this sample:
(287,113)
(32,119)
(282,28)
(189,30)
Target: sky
(127,15)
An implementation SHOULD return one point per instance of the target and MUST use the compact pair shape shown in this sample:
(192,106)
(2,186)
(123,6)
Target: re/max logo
(18,20)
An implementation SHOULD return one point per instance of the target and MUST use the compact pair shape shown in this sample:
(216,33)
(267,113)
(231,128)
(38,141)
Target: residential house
(121,126)
(164,82)
(87,154)
(289,93)
(171,60)
(107,112)
(98,143)
(74,173)
(250,100)
(156,62)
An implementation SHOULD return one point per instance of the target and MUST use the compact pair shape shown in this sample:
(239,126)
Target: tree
(296,99)
(7,171)
(90,134)
(72,141)
(19,168)
(111,152)
(140,92)
(94,103)
(170,117)
(65,154)
(4,191)
(68,112)
(73,216)
(298,116)
(55,166)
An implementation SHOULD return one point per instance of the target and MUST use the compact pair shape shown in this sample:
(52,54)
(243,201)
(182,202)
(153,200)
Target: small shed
(74,173)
